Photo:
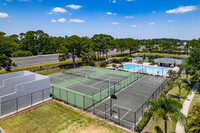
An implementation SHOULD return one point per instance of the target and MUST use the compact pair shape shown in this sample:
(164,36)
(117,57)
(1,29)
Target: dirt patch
(91,129)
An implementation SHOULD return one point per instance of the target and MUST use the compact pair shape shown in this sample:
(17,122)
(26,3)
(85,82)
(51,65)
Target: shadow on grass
(176,96)
(158,129)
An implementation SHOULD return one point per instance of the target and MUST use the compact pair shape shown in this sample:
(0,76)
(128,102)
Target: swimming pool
(146,69)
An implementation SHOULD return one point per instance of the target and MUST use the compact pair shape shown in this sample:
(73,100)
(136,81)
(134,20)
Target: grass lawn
(195,101)
(174,93)
(53,117)
(159,55)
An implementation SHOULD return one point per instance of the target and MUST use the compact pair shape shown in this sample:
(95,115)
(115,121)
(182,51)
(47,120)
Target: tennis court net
(75,74)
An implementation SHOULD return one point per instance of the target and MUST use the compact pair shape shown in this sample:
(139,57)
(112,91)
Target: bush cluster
(120,60)
(20,53)
(103,64)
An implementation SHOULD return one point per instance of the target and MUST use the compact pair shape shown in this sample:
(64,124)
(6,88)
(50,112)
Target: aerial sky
(139,19)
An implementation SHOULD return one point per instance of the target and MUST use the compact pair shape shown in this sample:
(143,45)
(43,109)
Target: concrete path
(186,106)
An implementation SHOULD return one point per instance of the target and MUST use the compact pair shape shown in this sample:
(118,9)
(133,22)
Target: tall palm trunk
(179,94)
(165,125)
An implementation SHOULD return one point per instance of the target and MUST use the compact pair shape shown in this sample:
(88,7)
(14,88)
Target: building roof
(168,60)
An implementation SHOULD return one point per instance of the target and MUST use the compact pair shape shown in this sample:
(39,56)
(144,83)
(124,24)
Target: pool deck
(148,64)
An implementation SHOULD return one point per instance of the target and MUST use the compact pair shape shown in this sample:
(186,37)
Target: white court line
(122,108)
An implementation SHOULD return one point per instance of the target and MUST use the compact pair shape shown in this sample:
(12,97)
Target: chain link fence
(20,103)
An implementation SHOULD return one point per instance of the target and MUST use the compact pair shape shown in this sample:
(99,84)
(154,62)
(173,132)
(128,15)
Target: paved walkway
(186,106)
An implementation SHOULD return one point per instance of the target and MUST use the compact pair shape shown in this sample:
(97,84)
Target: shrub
(20,53)
(117,60)
(103,64)
(91,63)
(114,65)
(126,59)
(139,61)
(144,121)
(121,65)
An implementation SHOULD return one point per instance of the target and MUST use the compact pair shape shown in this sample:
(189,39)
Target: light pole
(39,53)
(109,78)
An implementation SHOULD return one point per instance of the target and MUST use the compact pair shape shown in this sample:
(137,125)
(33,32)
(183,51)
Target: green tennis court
(84,87)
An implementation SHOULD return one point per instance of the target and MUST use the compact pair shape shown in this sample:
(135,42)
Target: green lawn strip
(174,93)
(52,117)
(195,101)
(159,55)
(160,125)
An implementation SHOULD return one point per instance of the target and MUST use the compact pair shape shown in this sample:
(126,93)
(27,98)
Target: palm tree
(182,83)
(194,120)
(186,67)
(166,108)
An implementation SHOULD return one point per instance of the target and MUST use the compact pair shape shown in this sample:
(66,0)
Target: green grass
(160,125)
(160,55)
(174,93)
(195,101)
(53,117)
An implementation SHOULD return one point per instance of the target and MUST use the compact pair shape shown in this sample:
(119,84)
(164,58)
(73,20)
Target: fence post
(135,122)
(142,110)
(60,93)
(17,104)
(105,111)
(53,91)
(31,99)
(100,94)
(83,102)
(119,116)
(67,97)
(75,99)
(43,95)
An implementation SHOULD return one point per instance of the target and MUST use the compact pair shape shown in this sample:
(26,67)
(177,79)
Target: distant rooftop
(168,60)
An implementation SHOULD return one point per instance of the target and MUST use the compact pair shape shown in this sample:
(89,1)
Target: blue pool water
(146,69)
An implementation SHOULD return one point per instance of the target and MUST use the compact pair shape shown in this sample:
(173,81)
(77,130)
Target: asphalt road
(32,62)
(38,59)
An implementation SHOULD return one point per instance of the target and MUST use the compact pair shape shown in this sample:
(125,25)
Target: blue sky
(139,19)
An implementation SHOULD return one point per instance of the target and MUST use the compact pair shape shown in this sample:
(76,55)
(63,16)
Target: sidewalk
(186,106)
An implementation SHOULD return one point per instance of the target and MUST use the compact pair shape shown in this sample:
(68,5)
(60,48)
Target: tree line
(88,49)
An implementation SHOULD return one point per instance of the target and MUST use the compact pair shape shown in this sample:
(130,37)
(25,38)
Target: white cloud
(77,20)
(53,21)
(154,12)
(109,13)
(4,4)
(72,6)
(24,0)
(114,1)
(198,29)
(62,20)
(9,0)
(115,23)
(182,9)
(170,21)
(134,26)
(3,15)
(129,17)
(152,23)
(130,0)
(59,10)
